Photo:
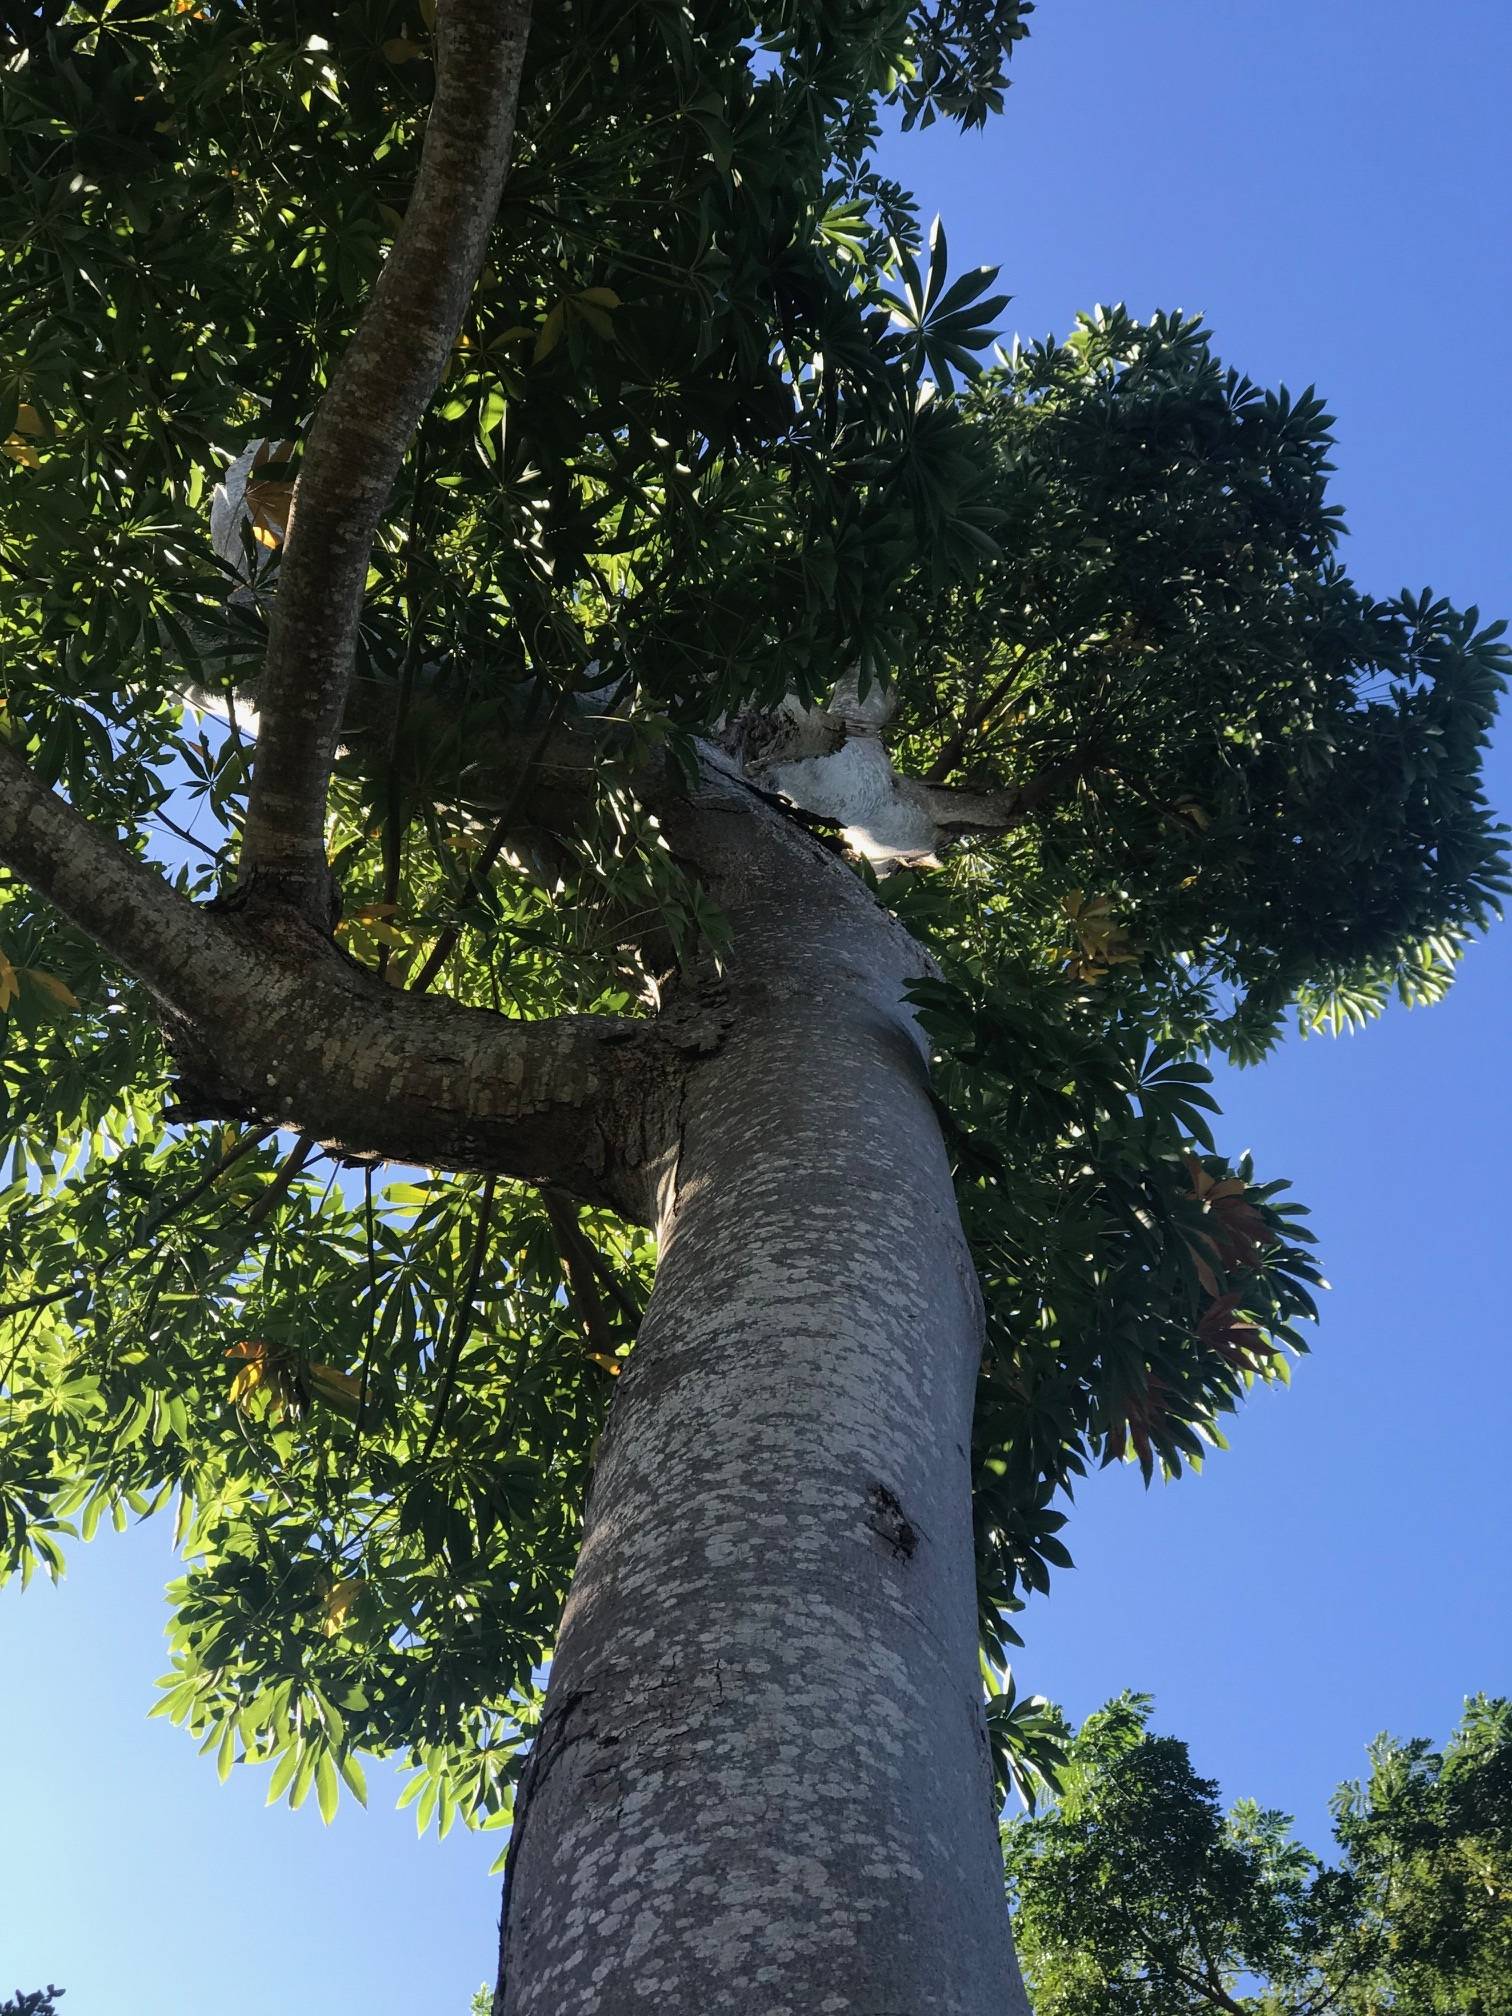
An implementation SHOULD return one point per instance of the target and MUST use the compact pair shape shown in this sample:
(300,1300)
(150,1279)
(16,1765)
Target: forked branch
(281,1027)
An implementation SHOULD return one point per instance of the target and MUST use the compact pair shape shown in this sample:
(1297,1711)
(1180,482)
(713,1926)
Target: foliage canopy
(722,432)
(1137,1896)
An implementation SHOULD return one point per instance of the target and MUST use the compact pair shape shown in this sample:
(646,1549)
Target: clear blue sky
(1331,184)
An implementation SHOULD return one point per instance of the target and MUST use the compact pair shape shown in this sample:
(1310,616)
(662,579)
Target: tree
(752,698)
(1136,1894)
(41,2002)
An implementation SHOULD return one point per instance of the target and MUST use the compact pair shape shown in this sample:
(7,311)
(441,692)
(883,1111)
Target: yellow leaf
(20,449)
(253,1373)
(338,1389)
(53,986)
(10,987)
(29,421)
(338,1603)
(602,1359)
(400,49)
(1102,942)
(270,499)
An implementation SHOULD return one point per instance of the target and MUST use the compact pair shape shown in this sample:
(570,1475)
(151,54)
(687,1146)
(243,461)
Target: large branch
(833,764)
(279,1025)
(362,432)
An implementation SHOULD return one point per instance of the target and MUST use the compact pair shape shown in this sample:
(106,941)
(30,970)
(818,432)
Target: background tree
(729,617)
(1135,1894)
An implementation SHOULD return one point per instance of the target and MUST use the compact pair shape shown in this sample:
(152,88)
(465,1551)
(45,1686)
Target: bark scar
(885,1518)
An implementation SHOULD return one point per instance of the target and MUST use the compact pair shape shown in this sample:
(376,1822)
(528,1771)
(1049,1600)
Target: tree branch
(360,437)
(969,725)
(462,1318)
(580,1273)
(274,1023)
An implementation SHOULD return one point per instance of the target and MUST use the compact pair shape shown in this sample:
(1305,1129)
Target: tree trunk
(762,1784)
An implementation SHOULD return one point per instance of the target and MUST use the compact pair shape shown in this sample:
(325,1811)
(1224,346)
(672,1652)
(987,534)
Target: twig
(971,724)
(446,944)
(296,1159)
(462,1321)
(393,831)
(562,1211)
(188,838)
(372,1323)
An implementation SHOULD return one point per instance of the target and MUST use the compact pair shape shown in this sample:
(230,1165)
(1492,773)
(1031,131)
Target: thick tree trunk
(762,1785)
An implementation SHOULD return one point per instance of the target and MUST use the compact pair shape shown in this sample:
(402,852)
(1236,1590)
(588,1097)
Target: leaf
(1103,943)
(10,986)
(52,986)
(283,1772)
(327,1787)
(551,333)
(338,1389)
(591,306)
(338,1604)
(351,1771)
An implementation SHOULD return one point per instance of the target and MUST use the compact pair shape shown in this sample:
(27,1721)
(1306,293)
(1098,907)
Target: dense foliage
(1137,1896)
(721,428)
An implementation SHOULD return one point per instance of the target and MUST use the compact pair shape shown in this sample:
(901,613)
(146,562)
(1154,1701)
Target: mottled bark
(362,432)
(762,1784)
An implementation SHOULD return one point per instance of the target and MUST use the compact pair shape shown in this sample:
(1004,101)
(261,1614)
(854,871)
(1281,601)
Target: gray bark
(762,1783)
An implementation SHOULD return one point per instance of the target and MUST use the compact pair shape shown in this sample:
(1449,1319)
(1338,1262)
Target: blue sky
(1330,184)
